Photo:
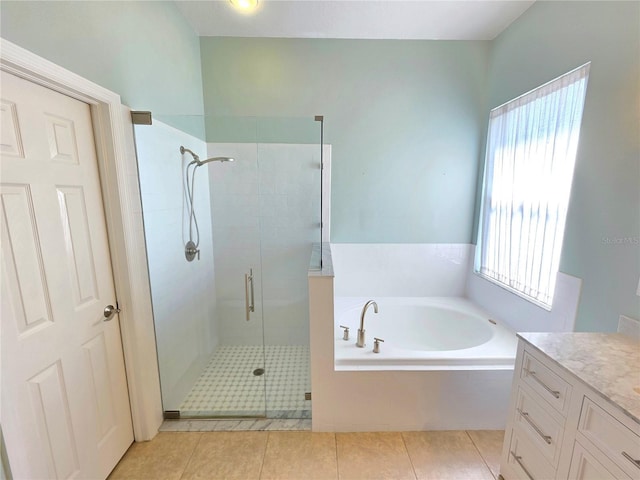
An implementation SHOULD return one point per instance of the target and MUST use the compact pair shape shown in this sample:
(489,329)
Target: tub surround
(446,269)
(575,407)
(394,400)
(400,270)
(520,314)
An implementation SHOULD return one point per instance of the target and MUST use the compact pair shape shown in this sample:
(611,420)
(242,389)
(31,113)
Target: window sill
(512,290)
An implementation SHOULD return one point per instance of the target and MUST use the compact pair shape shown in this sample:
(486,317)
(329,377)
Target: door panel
(53,420)
(65,405)
(10,141)
(97,361)
(75,224)
(23,265)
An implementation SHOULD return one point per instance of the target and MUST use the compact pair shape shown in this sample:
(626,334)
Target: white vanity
(575,408)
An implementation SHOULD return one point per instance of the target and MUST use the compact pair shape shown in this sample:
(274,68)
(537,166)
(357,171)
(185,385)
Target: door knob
(109,312)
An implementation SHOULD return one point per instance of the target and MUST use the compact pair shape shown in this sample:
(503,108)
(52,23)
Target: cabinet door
(585,466)
(620,442)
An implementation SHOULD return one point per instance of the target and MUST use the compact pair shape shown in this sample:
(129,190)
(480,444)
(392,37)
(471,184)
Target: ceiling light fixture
(246,6)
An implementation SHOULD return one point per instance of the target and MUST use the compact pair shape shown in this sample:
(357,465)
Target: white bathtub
(422,333)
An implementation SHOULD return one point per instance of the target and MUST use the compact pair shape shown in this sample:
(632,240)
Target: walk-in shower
(232,329)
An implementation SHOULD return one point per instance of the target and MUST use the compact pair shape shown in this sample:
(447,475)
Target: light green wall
(403,118)
(144,51)
(407,119)
(602,239)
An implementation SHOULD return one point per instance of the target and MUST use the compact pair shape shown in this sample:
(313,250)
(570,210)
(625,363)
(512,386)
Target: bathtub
(421,333)
(443,365)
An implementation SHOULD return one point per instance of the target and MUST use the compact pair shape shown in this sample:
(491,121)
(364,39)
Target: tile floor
(456,455)
(228,387)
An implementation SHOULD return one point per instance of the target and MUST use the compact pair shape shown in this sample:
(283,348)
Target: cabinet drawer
(546,383)
(585,466)
(526,460)
(614,439)
(541,428)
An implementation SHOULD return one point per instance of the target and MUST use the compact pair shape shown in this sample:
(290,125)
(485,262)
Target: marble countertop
(609,363)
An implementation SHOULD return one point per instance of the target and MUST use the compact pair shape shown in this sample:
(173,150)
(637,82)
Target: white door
(65,406)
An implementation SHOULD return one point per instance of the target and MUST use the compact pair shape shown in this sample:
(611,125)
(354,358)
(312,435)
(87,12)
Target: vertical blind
(530,157)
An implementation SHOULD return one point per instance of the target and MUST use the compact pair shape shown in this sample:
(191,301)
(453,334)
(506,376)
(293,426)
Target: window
(531,150)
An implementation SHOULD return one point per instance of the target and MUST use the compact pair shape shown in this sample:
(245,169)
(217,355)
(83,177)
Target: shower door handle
(248,293)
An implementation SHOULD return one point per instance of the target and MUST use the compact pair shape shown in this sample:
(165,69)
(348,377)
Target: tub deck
(496,350)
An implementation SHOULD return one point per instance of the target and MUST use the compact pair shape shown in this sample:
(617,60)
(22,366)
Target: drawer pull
(631,459)
(525,415)
(519,460)
(531,373)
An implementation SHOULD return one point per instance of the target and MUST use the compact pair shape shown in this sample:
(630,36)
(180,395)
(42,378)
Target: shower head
(215,159)
(198,162)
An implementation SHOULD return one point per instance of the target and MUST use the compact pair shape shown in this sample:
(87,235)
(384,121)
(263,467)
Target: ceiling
(363,19)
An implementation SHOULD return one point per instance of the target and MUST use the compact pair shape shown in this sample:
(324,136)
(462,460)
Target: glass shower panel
(289,182)
(202,371)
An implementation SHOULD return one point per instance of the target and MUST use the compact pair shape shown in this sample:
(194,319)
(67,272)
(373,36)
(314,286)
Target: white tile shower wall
(236,240)
(406,270)
(289,180)
(183,293)
(520,314)
(265,209)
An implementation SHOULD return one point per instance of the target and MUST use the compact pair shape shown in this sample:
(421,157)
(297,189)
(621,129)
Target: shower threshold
(178,415)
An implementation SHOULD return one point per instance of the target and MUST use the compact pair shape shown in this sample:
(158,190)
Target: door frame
(115,149)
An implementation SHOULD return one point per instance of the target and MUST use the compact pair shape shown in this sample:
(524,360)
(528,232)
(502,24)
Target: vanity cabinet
(574,413)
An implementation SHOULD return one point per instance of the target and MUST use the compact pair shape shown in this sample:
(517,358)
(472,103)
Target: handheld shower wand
(191,247)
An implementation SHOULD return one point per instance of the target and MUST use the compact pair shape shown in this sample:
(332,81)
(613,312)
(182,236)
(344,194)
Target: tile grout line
(191,456)
(335,442)
(415,474)
(480,453)
(264,454)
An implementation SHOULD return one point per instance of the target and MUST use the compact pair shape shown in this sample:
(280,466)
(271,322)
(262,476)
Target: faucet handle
(346,332)
(376,344)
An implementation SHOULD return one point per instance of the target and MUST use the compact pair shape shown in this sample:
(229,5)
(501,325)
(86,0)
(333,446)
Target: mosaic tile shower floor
(228,386)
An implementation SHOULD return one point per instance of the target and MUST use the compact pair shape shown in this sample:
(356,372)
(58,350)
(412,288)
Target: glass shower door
(286,222)
(239,360)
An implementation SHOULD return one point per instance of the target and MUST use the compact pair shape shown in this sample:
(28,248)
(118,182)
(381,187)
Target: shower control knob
(190,251)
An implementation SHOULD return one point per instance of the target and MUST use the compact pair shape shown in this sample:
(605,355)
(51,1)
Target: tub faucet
(360,341)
